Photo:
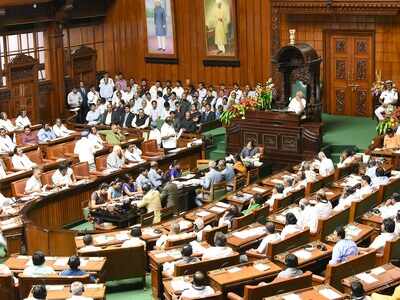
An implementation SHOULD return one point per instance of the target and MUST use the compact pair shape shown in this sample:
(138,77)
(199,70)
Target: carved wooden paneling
(250,136)
(340,69)
(340,46)
(361,69)
(270,141)
(361,102)
(362,46)
(340,101)
(289,143)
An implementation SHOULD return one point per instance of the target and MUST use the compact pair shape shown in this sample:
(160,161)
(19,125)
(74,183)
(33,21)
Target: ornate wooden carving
(361,69)
(289,143)
(340,46)
(361,102)
(250,136)
(84,65)
(362,46)
(270,141)
(340,98)
(341,69)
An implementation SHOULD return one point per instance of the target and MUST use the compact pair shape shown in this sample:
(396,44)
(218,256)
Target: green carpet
(339,132)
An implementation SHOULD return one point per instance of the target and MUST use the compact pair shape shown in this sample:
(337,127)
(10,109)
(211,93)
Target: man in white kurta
(106,87)
(168,134)
(86,150)
(297,104)
(388,97)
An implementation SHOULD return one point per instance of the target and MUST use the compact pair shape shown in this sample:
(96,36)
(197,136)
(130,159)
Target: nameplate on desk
(329,294)
(367,278)
(303,254)
(261,267)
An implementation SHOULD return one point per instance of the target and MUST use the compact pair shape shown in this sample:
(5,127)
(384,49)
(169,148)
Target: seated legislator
(250,151)
(199,228)
(390,208)
(85,149)
(129,187)
(60,130)
(38,267)
(292,270)
(22,120)
(88,242)
(174,170)
(155,133)
(187,125)
(175,233)
(6,201)
(228,216)
(113,136)
(187,258)
(387,234)
(142,179)
(28,137)
(116,159)
(126,117)
(46,133)
(6,123)
(346,199)
(151,201)
(134,240)
(391,140)
(380,178)
(99,197)
(213,176)
(272,236)
(297,104)
(155,174)
(346,158)
(73,263)
(199,288)
(227,171)
(324,165)
(291,226)
(34,183)
(389,96)
(109,116)
(6,143)
(208,115)
(39,292)
(115,191)
(141,120)
(365,188)
(133,154)
(358,292)
(314,210)
(219,250)
(255,203)
(77,288)
(95,138)
(93,116)
(344,248)
(63,176)
(278,192)
(168,134)
(21,161)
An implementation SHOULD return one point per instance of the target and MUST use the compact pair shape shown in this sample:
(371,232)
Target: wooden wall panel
(125,43)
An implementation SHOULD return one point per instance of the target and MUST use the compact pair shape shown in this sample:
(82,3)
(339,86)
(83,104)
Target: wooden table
(375,280)
(393,154)
(276,178)
(239,198)
(60,292)
(358,233)
(18,263)
(332,193)
(279,217)
(235,277)
(246,237)
(256,189)
(185,225)
(315,292)
(307,258)
(218,208)
(206,215)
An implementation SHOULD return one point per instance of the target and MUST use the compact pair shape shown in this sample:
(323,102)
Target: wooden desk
(246,237)
(349,180)
(315,292)
(358,233)
(218,208)
(256,189)
(239,198)
(307,258)
(394,155)
(61,292)
(207,216)
(332,193)
(372,219)
(185,225)
(173,287)
(17,263)
(235,277)
(279,217)
(375,280)
(13,231)
(276,178)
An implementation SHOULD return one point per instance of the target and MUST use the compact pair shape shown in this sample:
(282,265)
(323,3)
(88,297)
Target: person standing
(106,87)
(160,23)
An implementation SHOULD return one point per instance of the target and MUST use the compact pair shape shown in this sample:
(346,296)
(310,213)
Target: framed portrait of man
(160,29)
(220,29)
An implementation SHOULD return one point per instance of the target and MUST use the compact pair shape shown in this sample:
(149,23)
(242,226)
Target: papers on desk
(276,181)
(61,262)
(96,258)
(175,150)
(161,255)
(222,204)
(202,213)
(150,232)
(94,286)
(329,294)
(176,254)
(261,267)
(197,248)
(84,262)
(217,209)
(291,297)
(352,230)
(303,254)
(378,271)
(184,224)
(10,223)
(123,236)
(234,270)
(180,285)
(103,239)
(247,233)
(54,287)
(188,176)
(366,278)
(258,190)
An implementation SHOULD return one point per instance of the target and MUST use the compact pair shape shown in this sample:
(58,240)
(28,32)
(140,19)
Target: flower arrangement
(379,85)
(390,122)
(263,101)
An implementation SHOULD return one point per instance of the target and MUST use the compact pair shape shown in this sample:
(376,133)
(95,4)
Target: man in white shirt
(154,89)
(326,166)
(168,134)
(178,89)
(34,183)
(93,115)
(291,226)
(155,175)
(198,289)
(135,240)
(106,87)
(74,98)
(6,123)
(297,104)
(38,267)
(20,161)
(60,130)
(77,290)
(85,149)
(388,234)
(380,178)
(155,134)
(116,159)
(272,236)
(93,96)
(238,92)
(88,242)
(22,120)
(202,91)
(62,176)
(219,250)
(39,292)
(133,154)
(388,97)
(6,144)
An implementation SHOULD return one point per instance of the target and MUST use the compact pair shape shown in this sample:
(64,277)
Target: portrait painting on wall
(220,28)
(160,28)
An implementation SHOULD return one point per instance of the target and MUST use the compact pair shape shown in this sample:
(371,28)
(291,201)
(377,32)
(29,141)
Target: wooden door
(349,62)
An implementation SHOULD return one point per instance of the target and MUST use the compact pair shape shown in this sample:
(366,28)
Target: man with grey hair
(77,290)
(116,159)
(213,176)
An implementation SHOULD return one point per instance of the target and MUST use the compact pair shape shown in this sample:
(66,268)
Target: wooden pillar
(55,69)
